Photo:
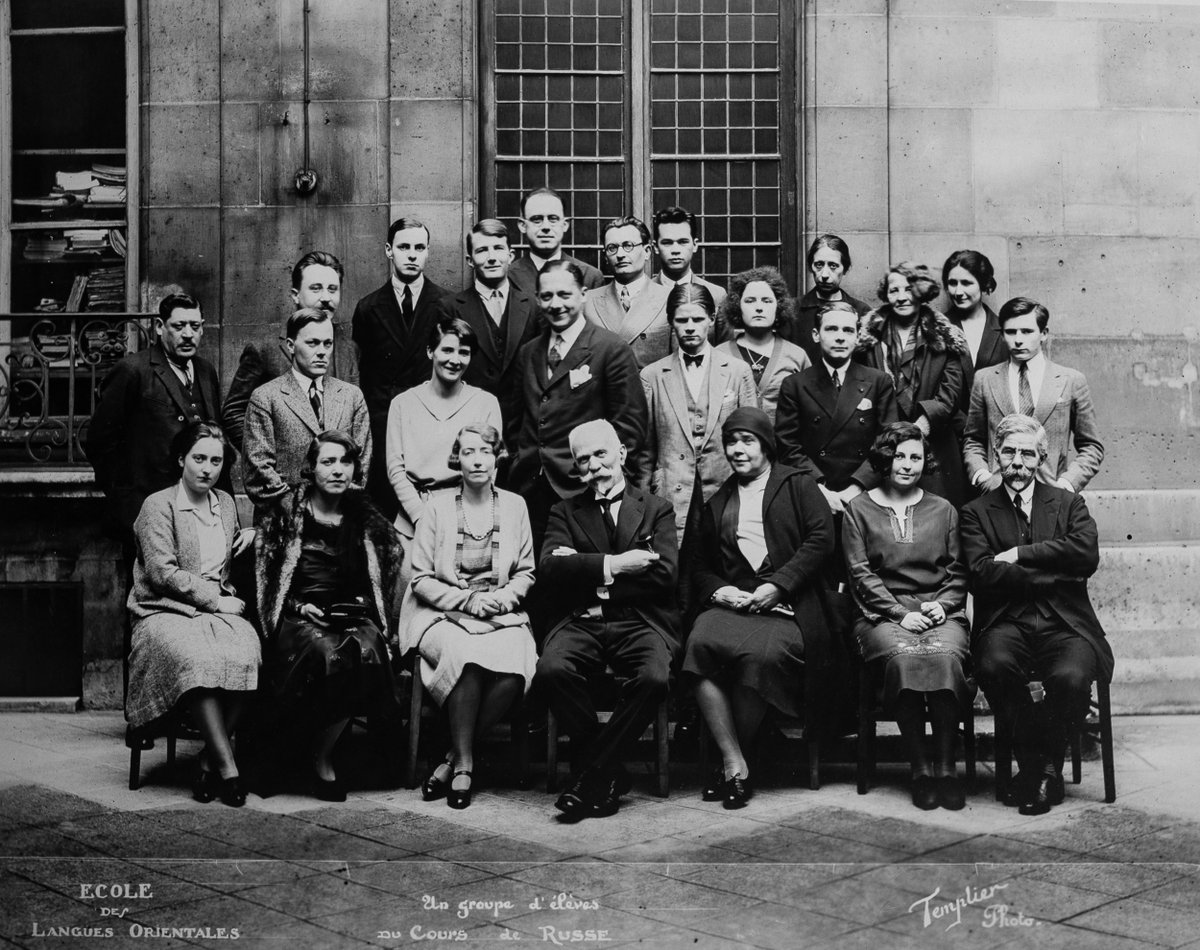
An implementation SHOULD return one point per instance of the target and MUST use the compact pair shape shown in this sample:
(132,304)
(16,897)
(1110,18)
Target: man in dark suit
(390,329)
(544,223)
(572,372)
(502,313)
(829,414)
(609,569)
(145,401)
(676,240)
(1030,548)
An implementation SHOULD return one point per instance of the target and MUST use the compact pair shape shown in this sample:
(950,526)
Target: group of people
(549,475)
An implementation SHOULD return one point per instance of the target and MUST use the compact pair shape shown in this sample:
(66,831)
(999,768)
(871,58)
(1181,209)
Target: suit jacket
(717,291)
(280,427)
(597,379)
(1053,569)
(800,330)
(1064,408)
(644,326)
(524,272)
(142,407)
(827,434)
(992,348)
(569,582)
(672,459)
(492,371)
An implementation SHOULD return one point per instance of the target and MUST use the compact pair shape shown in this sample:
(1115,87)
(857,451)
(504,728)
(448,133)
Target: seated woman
(423,422)
(762,631)
(472,564)
(328,565)
(190,642)
(901,548)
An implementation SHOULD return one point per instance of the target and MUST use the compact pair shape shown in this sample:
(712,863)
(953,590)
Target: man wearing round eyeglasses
(633,306)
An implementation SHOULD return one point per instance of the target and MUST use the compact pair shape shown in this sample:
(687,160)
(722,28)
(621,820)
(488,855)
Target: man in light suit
(286,414)
(1029,548)
(502,313)
(572,372)
(676,240)
(1056,396)
(544,223)
(390,329)
(633,306)
(608,567)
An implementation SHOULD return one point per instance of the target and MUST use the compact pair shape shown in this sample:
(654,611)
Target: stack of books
(106,289)
(43,247)
(109,187)
(86,241)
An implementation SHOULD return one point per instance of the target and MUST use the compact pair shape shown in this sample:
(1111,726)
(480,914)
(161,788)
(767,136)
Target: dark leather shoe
(737,791)
(925,793)
(433,787)
(205,789)
(1019,789)
(573,801)
(950,793)
(714,788)
(457,798)
(1041,799)
(605,800)
(622,781)
(1056,790)
(329,791)
(233,792)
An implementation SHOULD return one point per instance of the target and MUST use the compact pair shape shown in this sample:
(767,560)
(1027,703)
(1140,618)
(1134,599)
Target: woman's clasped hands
(762,599)
(929,616)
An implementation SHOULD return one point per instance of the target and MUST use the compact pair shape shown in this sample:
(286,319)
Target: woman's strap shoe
(205,789)
(233,792)
(737,791)
(433,787)
(328,790)
(456,798)
(714,788)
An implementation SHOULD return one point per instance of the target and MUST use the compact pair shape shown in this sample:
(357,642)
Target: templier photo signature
(934,911)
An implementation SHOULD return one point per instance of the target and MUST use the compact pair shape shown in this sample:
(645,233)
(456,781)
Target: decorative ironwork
(51,366)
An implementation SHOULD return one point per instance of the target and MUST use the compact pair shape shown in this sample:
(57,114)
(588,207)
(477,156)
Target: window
(626,106)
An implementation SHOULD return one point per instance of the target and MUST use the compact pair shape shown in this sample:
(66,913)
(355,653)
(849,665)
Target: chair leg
(414,728)
(813,745)
(866,729)
(172,737)
(662,765)
(1106,743)
(135,767)
(703,739)
(520,732)
(551,752)
(1003,757)
(969,739)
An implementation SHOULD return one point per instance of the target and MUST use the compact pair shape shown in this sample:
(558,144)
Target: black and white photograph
(600,473)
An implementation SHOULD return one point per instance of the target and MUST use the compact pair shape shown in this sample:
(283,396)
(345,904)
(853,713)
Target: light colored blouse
(751,535)
(210,532)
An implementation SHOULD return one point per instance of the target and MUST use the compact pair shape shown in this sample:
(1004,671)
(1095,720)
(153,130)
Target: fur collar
(937,332)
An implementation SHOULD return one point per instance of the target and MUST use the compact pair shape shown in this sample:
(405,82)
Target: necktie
(496,306)
(406,307)
(554,357)
(610,523)
(1022,519)
(186,370)
(314,397)
(837,383)
(690,361)
(1024,392)
(623,292)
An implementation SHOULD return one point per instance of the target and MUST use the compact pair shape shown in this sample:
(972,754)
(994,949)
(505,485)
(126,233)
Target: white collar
(758,484)
(183,503)
(1026,495)
(570,334)
(485,292)
(617,489)
(840,370)
(634,288)
(305,382)
(415,287)
(1036,365)
(540,262)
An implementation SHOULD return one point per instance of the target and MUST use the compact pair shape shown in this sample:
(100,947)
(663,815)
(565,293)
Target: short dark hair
(1019,306)
(302,318)
(331,437)
(974,263)
(192,433)
(883,452)
(922,284)
(172,302)
(690,293)
(323,258)
(731,309)
(490,436)
(676,215)
(488,227)
(549,193)
(403,224)
(834,306)
(626,222)
(453,326)
(553,267)
(834,243)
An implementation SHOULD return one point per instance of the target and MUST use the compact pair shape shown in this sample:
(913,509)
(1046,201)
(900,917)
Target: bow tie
(689,360)
(609,501)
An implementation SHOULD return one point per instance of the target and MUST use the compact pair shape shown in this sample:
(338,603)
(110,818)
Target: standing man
(633,306)
(544,223)
(502,313)
(144,402)
(316,284)
(573,372)
(609,564)
(286,414)
(1030,548)
(390,331)
(676,241)
(1056,396)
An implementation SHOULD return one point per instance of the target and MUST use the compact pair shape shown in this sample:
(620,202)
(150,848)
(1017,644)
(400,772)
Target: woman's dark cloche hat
(754,421)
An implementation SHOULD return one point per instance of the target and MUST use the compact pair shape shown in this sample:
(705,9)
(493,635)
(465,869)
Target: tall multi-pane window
(626,106)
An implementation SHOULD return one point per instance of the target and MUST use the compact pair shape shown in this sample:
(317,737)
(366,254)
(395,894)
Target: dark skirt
(762,652)
(330,673)
(922,662)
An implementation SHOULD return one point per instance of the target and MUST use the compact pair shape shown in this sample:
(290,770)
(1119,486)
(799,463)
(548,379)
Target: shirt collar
(687,278)
(636,287)
(183,503)
(571,333)
(416,287)
(617,490)
(758,484)
(305,382)
(703,354)
(485,292)
(1026,495)
(540,262)
(840,370)
(1035,364)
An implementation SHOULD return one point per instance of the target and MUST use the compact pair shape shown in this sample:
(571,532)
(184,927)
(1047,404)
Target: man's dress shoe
(1047,792)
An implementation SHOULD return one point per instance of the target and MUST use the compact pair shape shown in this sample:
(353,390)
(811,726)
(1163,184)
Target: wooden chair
(870,711)
(1097,724)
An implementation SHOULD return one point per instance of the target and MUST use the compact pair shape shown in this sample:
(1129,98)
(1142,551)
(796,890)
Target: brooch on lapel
(579,375)
(864,404)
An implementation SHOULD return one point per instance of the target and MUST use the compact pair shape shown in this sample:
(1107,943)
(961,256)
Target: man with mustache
(1030,547)
(285,414)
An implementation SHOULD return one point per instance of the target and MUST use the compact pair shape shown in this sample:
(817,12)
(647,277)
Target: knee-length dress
(179,641)
(894,567)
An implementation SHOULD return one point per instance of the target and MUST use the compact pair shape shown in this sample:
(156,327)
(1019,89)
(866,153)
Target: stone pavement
(796,868)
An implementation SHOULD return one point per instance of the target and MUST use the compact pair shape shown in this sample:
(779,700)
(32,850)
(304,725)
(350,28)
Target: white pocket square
(579,375)
(864,404)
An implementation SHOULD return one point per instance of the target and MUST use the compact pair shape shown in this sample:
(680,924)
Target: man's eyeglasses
(625,246)
(1027,455)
